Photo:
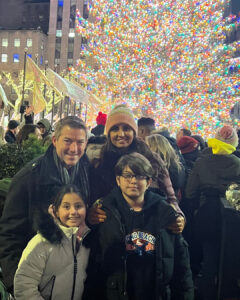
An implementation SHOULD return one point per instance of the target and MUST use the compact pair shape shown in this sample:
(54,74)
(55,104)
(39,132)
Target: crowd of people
(111,214)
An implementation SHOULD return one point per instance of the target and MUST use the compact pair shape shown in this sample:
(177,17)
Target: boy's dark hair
(67,189)
(139,164)
(146,122)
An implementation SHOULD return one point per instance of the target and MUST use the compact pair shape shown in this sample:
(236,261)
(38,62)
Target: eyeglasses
(129,176)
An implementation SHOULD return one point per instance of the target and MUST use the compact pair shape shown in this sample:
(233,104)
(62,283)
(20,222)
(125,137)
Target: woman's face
(121,135)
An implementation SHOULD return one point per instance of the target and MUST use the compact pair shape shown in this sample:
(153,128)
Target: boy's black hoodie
(133,262)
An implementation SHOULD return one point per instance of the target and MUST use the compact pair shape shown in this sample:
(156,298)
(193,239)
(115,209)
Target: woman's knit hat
(227,134)
(120,114)
(187,144)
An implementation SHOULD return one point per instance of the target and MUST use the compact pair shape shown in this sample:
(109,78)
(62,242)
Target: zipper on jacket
(74,268)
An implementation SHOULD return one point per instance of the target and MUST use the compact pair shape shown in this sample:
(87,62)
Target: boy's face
(132,188)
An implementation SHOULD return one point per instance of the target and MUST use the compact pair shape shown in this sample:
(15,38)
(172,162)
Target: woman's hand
(178,225)
(96,215)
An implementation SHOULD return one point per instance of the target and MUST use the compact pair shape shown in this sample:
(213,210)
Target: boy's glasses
(129,176)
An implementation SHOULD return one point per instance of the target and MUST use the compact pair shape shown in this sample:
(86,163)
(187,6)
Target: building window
(71,33)
(15,57)
(85,10)
(73,2)
(72,16)
(4,57)
(58,33)
(41,60)
(29,43)
(57,61)
(60,2)
(17,43)
(69,61)
(70,54)
(4,42)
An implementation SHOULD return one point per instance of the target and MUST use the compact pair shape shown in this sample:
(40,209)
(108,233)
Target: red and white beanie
(227,134)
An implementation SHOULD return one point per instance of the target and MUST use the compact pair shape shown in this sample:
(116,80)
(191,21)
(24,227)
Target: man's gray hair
(71,121)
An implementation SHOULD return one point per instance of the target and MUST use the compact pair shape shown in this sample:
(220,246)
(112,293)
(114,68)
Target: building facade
(64,44)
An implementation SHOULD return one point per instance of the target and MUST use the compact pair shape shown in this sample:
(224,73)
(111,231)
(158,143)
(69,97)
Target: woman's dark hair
(67,189)
(139,164)
(25,131)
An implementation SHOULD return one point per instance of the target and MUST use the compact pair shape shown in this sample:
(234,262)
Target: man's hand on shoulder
(96,215)
(178,225)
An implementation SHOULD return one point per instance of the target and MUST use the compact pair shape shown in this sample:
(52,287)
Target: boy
(134,256)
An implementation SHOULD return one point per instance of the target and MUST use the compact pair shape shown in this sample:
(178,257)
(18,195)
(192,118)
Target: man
(145,127)
(34,186)
(183,132)
(12,131)
(46,131)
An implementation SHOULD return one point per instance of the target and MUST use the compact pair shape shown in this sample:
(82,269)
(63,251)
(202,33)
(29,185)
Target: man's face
(179,134)
(142,132)
(42,129)
(70,145)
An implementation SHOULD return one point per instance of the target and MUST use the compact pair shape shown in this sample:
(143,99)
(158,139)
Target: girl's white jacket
(53,271)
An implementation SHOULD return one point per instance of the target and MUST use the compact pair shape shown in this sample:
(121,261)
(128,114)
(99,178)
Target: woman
(121,131)
(160,145)
(26,130)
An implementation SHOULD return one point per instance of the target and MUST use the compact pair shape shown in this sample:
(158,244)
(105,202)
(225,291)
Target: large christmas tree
(167,59)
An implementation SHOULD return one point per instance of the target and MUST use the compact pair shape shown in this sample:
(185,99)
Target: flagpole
(86,114)
(45,86)
(74,108)
(23,87)
(53,99)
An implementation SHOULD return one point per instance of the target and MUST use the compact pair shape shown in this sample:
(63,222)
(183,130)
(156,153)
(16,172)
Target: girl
(53,264)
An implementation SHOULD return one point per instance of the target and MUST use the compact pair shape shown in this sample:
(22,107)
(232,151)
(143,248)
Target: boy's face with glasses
(133,186)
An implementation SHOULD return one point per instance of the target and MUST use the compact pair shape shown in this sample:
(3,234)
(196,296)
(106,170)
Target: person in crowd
(101,121)
(121,130)
(183,132)
(2,133)
(29,114)
(33,187)
(25,131)
(145,127)
(164,132)
(134,256)
(53,265)
(202,143)
(189,148)
(215,169)
(94,146)
(46,131)
(12,131)
(160,145)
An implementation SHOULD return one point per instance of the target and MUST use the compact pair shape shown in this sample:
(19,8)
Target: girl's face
(72,210)
(121,135)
